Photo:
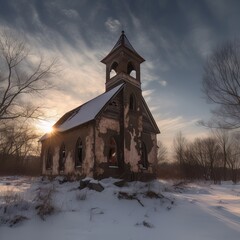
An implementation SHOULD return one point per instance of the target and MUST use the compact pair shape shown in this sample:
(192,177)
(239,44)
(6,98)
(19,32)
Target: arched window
(144,157)
(131,70)
(79,153)
(62,157)
(113,69)
(49,159)
(112,153)
(132,102)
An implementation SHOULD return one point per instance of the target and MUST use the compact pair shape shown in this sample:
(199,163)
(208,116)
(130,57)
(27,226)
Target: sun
(45,126)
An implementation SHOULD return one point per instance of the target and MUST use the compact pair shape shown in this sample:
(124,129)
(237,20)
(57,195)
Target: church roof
(87,111)
(84,113)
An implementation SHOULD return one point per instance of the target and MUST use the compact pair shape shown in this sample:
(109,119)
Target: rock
(63,180)
(83,184)
(95,186)
(16,220)
(121,183)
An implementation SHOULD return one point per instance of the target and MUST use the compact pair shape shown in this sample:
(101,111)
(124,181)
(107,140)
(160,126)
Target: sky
(173,36)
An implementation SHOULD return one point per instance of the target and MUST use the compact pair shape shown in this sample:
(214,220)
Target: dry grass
(12,207)
(45,206)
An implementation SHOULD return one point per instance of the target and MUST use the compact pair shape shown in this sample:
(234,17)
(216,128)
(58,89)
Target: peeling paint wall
(132,128)
(151,142)
(132,156)
(129,127)
(70,138)
(105,129)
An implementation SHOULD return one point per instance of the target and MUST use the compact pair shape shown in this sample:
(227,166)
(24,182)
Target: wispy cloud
(146,93)
(169,126)
(70,13)
(174,123)
(113,25)
(163,83)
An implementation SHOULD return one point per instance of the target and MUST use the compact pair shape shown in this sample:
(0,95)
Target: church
(113,134)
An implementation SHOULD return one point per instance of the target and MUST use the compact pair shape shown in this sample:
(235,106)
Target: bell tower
(122,64)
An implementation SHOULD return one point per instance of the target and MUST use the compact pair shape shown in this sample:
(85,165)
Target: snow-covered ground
(156,210)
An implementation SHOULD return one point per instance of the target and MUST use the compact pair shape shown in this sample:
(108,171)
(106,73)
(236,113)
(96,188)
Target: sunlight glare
(45,126)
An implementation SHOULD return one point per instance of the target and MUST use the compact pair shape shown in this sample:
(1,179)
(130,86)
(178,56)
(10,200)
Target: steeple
(123,41)
(122,64)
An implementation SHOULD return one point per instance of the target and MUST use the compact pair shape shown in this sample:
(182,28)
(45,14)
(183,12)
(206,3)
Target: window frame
(131,70)
(132,102)
(113,67)
(62,157)
(144,157)
(112,153)
(79,153)
(49,159)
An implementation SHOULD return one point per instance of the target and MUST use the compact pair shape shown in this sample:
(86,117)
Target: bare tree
(200,156)
(18,139)
(179,144)
(212,150)
(234,157)
(221,84)
(20,75)
(224,142)
(19,149)
(162,152)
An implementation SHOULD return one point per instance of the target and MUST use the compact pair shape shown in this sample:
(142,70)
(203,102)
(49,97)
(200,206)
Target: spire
(123,41)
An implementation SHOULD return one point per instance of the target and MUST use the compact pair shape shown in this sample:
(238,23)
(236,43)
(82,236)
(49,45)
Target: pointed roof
(123,42)
(84,113)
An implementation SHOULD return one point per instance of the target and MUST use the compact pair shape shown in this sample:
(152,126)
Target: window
(132,102)
(131,70)
(112,153)
(49,159)
(113,69)
(79,153)
(62,157)
(144,157)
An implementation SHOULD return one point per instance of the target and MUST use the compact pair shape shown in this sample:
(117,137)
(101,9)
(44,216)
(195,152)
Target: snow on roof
(87,111)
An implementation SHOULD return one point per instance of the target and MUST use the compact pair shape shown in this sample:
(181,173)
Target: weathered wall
(105,129)
(150,139)
(132,128)
(70,138)
(129,127)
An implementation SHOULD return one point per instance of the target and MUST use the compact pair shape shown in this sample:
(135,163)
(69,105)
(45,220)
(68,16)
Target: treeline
(216,157)
(19,152)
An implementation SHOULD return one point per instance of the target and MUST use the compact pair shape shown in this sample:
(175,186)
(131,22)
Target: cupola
(122,64)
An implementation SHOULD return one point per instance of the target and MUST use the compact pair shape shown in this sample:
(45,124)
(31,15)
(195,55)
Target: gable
(114,107)
(83,113)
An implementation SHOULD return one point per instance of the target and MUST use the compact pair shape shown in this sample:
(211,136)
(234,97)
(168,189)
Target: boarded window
(49,159)
(112,153)
(62,157)
(79,153)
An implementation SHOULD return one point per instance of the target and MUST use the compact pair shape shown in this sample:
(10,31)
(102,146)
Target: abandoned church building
(113,134)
